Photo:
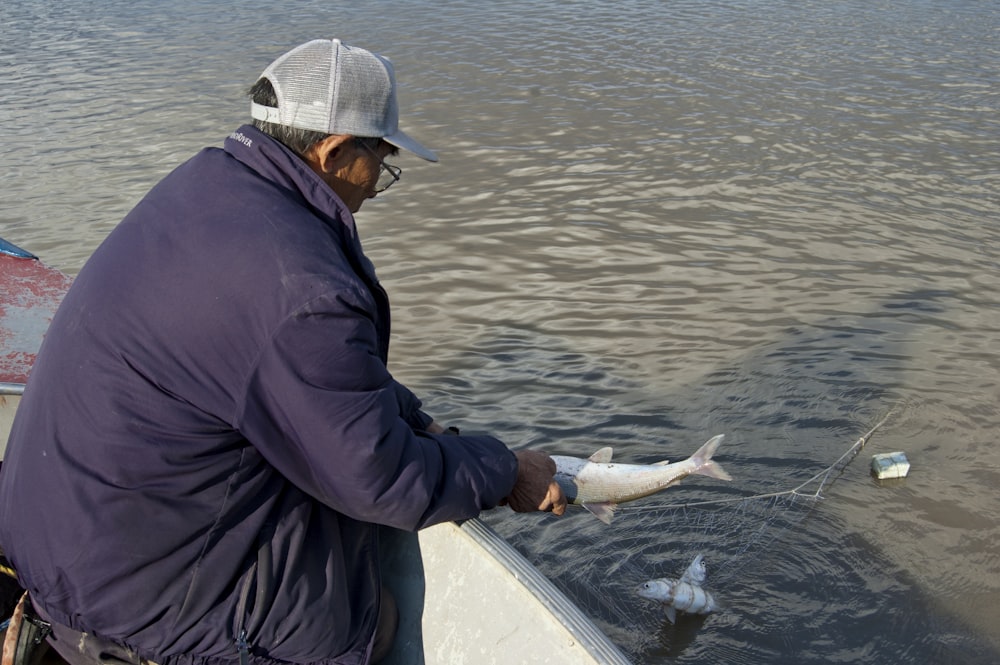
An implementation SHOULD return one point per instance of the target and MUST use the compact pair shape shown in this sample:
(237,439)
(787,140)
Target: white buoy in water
(890,465)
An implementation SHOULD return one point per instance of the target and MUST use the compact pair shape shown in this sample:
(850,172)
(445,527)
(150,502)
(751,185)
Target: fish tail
(703,460)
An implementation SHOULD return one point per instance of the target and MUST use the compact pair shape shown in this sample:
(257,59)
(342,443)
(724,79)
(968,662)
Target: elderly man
(210,435)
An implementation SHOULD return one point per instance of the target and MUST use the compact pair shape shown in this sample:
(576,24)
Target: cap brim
(401,140)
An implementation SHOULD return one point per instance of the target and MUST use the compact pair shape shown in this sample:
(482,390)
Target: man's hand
(536,488)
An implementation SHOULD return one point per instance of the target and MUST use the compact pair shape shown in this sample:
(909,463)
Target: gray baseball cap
(327,86)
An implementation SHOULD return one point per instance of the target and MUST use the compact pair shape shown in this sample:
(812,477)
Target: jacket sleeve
(322,408)
(409,408)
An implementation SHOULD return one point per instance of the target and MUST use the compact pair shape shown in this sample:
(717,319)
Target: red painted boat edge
(30,293)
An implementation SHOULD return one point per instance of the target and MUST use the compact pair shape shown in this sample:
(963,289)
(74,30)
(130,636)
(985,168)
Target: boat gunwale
(593,640)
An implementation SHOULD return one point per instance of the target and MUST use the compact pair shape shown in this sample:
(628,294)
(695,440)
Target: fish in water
(599,485)
(685,593)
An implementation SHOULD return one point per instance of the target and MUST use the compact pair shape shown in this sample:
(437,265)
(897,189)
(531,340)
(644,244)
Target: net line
(821,479)
(732,532)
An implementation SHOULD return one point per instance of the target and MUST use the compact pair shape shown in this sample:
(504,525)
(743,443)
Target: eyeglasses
(389,173)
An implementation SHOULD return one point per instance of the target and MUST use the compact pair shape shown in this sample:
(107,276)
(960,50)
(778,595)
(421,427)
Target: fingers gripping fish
(599,485)
(685,593)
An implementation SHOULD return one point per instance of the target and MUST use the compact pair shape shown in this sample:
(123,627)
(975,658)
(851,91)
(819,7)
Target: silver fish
(695,573)
(599,485)
(685,593)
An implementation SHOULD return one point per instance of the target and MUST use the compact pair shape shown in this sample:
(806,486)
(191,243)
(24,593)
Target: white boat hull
(483,603)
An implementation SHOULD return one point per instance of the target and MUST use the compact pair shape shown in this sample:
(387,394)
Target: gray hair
(296,140)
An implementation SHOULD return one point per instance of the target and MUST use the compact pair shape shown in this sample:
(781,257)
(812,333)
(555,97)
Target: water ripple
(650,223)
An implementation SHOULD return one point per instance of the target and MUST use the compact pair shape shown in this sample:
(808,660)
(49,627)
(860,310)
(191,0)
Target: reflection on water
(651,223)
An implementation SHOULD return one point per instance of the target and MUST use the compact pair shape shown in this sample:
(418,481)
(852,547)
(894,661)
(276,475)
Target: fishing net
(735,530)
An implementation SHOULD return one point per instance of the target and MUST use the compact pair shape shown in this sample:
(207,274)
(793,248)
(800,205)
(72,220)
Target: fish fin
(703,459)
(713,470)
(671,613)
(602,456)
(663,463)
(602,511)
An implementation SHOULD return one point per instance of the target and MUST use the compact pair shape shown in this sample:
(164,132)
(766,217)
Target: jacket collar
(274,162)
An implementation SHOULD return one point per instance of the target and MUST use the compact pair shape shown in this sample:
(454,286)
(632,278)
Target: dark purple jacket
(210,430)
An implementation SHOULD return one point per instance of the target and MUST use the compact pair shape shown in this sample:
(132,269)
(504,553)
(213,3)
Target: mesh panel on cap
(365,103)
(335,89)
(301,81)
(326,86)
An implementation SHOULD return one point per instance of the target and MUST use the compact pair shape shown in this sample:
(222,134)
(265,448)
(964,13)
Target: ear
(329,154)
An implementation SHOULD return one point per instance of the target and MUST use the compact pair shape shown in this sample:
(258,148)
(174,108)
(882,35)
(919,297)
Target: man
(210,434)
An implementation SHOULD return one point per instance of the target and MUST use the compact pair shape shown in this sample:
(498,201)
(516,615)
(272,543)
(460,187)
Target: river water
(651,223)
